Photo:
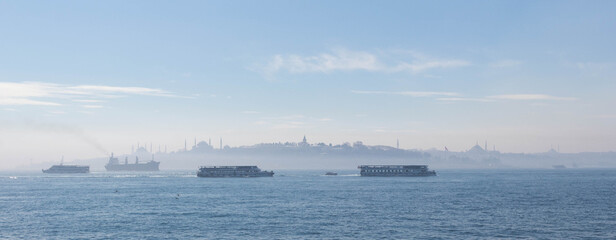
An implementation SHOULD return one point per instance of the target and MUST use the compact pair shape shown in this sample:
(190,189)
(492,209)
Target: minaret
(150,147)
(486,146)
(398,143)
(184,144)
(220,143)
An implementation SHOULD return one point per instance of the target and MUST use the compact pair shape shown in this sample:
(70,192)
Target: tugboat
(114,165)
(331,174)
(232,171)
(395,171)
(67,168)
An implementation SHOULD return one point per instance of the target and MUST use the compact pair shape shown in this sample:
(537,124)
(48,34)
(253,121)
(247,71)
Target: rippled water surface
(559,204)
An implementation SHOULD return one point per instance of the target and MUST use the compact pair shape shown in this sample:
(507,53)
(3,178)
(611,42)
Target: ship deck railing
(392,166)
(228,167)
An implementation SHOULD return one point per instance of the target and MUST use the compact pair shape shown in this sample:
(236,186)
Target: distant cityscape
(307,155)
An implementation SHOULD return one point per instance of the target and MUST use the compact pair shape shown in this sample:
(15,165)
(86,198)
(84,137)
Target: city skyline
(82,79)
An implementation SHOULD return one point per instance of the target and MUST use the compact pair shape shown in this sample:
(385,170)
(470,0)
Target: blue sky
(81,78)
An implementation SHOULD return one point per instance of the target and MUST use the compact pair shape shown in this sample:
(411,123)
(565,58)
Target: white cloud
(527,97)
(325,62)
(460,99)
(417,67)
(92,106)
(407,93)
(88,101)
(94,89)
(25,101)
(48,94)
(346,60)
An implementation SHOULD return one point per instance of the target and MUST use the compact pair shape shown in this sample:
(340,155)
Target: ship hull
(233,172)
(67,170)
(396,171)
(236,175)
(398,175)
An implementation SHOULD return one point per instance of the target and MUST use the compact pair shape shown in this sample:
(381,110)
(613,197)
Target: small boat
(331,173)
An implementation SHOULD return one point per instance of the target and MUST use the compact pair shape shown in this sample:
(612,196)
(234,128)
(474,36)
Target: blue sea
(456,204)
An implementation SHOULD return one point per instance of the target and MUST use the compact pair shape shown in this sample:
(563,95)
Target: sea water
(456,204)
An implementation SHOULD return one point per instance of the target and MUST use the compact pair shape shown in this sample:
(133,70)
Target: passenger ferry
(395,171)
(233,171)
(67,168)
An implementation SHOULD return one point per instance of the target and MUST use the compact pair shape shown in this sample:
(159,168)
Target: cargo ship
(67,168)
(395,171)
(115,166)
(233,171)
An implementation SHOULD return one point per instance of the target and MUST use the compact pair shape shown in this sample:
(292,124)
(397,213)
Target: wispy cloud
(456,97)
(416,67)
(88,100)
(346,60)
(25,101)
(325,62)
(461,99)
(92,106)
(407,93)
(50,94)
(527,97)
(98,89)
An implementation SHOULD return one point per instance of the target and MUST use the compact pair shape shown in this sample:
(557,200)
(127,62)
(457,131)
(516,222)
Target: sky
(82,79)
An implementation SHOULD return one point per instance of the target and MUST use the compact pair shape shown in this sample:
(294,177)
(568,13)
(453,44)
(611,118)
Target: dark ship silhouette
(114,165)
